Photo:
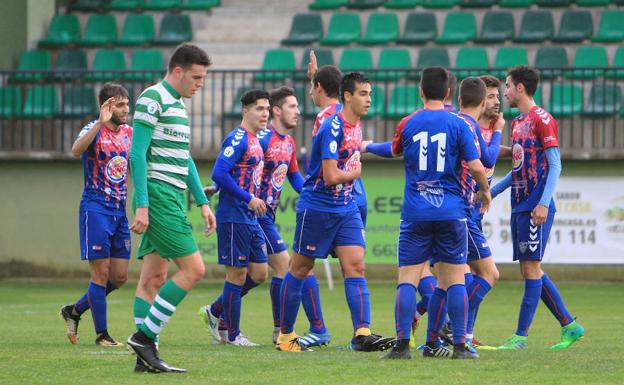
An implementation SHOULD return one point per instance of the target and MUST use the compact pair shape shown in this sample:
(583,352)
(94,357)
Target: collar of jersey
(171,90)
(270,126)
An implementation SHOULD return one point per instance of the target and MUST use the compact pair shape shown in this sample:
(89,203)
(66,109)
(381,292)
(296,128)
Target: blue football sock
(551,297)
(274,291)
(404,308)
(426,286)
(468,278)
(458,311)
(248,285)
(477,290)
(97,302)
(290,299)
(216,308)
(311,300)
(358,299)
(532,292)
(82,305)
(437,314)
(232,308)
(110,287)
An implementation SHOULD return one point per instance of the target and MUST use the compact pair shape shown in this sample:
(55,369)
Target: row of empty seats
(42,101)
(459,27)
(141,5)
(446,4)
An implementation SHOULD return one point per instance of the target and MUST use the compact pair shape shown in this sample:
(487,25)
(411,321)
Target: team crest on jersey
(517,157)
(432,191)
(116,169)
(333,147)
(257,174)
(278,177)
(229,151)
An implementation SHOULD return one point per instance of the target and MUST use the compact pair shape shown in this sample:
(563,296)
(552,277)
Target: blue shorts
(529,240)
(363,213)
(478,247)
(103,235)
(274,242)
(420,240)
(319,232)
(240,243)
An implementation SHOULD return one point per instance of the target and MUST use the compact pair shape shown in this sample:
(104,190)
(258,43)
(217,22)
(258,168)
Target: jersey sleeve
(546,129)
(397,139)
(293,166)
(233,149)
(328,140)
(467,148)
(148,108)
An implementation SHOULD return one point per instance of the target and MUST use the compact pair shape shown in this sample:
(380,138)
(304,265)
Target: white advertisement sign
(588,226)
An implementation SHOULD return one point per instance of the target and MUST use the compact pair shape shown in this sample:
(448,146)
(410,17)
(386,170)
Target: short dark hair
(490,81)
(434,83)
(452,84)
(329,77)
(252,96)
(349,81)
(112,89)
(185,55)
(527,76)
(471,92)
(278,96)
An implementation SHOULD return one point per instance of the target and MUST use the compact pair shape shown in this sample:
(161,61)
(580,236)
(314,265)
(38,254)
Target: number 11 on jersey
(423,138)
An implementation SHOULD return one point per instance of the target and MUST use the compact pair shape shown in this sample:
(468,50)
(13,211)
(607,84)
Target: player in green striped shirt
(162,170)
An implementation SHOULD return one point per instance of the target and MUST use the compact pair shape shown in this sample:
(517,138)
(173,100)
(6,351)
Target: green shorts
(169,233)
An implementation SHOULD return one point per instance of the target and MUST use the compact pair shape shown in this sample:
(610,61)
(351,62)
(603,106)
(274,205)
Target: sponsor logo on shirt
(517,157)
(278,177)
(432,191)
(257,174)
(353,161)
(116,169)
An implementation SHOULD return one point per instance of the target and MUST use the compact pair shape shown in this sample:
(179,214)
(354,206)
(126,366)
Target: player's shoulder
(153,93)
(332,123)
(541,115)
(86,128)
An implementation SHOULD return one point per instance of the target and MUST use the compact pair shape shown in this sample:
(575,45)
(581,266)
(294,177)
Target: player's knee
(118,278)
(259,275)
(355,269)
(196,274)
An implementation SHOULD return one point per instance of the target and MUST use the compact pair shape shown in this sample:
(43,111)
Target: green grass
(34,348)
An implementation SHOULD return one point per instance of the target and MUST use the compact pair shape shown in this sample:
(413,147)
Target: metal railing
(41,112)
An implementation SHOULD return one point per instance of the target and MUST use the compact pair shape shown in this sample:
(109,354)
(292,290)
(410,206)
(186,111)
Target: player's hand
(141,220)
(106,110)
(364,144)
(500,123)
(209,220)
(312,65)
(258,206)
(486,200)
(356,171)
(539,214)
(210,191)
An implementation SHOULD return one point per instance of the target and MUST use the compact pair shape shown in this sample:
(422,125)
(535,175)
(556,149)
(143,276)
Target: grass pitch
(34,349)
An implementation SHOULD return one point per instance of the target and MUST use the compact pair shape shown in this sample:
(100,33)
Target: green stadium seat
(510,113)
(393,64)
(36,60)
(592,3)
(508,57)
(477,3)
(365,4)
(88,5)
(327,4)
(575,26)
(404,100)
(402,4)
(355,59)
(306,28)
(70,64)
(111,60)
(200,5)
(382,28)
(148,60)
(515,3)
(377,102)
(471,59)
(566,99)
(125,5)
(161,5)
(64,30)
(420,28)
(440,4)
(174,29)
(280,61)
(10,101)
(459,27)
(137,30)
(41,102)
(553,3)
(496,27)
(550,61)
(604,100)
(78,101)
(323,57)
(433,56)
(618,62)
(611,27)
(100,30)
(589,62)
(344,28)
(536,27)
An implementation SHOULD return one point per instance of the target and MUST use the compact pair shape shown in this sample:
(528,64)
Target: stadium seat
(281,61)
(327,4)
(306,28)
(575,26)
(618,62)
(100,30)
(434,56)
(10,101)
(590,61)
(604,100)
(553,3)
(497,27)
(41,102)
(377,102)
(78,101)
(161,5)
(402,4)
(137,30)
(611,27)
(477,3)
(112,60)
(88,5)
(391,59)
(36,60)
(70,64)
(365,4)
(508,57)
(148,60)
(472,58)
(382,28)
(566,99)
(355,59)
(550,61)
(419,29)
(439,4)
(459,27)
(515,3)
(174,29)
(344,28)
(536,27)
(592,3)
(64,30)
(125,5)
(199,5)
(403,101)
(323,57)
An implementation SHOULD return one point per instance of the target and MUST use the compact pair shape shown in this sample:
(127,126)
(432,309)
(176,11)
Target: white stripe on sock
(160,315)
(165,304)
(152,326)
(138,320)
